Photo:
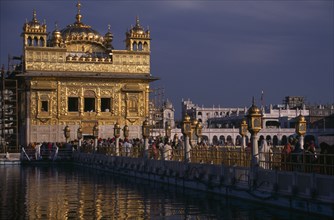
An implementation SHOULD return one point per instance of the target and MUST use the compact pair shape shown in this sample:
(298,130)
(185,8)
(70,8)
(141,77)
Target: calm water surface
(71,192)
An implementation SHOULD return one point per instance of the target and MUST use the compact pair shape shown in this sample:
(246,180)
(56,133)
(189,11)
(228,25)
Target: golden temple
(74,77)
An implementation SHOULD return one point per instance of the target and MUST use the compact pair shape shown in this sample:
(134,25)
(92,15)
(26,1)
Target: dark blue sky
(213,52)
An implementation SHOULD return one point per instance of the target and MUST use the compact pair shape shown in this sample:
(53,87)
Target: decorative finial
(78,6)
(109,27)
(253,101)
(56,25)
(78,16)
(137,21)
(34,15)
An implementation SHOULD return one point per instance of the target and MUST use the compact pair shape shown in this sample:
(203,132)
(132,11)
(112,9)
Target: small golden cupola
(108,37)
(56,40)
(34,33)
(137,38)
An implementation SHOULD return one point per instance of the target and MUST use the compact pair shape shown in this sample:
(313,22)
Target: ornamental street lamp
(117,134)
(146,129)
(199,128)
(126,131)
(193,136)
(254,116)
(243,132)
(301,129)
(79,135)
(146,135)
(186,130)
(168,131)
(117,130)
(176,140)
(96,134)
(67,133)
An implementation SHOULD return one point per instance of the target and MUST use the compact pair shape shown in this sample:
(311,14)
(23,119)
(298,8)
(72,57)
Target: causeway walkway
(10,159)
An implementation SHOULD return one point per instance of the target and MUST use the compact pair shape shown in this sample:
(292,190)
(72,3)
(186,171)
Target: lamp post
(126,131)
(243,132)
(186,130)
(176,140)
(146,135)
(254,116)
(193,138)
(67,133)
(168,131)
(199,132)
(95,134)
(79,135)
(117,134)
(301,129)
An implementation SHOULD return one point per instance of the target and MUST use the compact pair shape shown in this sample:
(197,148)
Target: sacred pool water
(73,192)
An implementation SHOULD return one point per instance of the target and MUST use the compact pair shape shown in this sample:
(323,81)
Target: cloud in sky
(213,52)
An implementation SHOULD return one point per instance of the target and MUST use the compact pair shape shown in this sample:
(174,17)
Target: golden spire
(137,21)
(78,16)
(34,15)
(56,26)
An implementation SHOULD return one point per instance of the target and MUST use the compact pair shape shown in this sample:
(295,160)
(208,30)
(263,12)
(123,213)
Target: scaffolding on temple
(9,107)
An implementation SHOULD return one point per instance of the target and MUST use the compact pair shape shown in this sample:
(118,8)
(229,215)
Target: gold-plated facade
(77,79)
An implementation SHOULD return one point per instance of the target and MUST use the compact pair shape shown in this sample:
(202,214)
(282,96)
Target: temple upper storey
(77,46)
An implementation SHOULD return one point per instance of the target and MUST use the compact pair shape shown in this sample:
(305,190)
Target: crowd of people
(292,156)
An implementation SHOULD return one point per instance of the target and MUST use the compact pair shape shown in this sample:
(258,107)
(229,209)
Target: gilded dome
(34,25)
(254,110)
(80,31)
(34,22)
(137,29)
(56,33)
(186,118)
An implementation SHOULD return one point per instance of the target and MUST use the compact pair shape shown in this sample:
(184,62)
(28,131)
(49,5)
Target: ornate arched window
(29,41)
(140,46)
(41,42)
(89,101)
(133,104)
(145,47)
(134,46)
(35,41)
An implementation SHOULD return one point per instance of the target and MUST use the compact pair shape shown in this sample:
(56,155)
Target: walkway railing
(54,154)
(228,155)
(231,156)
